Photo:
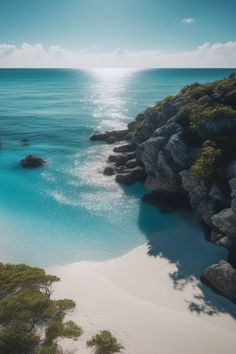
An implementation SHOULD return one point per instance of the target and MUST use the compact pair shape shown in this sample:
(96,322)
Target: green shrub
(105,343)
(218,112)
(26,305)
(226,85)
(230,98)
(205,165)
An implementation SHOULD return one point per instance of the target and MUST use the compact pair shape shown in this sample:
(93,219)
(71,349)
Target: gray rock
(226,242)
(216,235)
(208,129)
(131,163)
(167,130)
(221,277)
(164,177)
(119,159)
(109,171)
(225,221)
(125,148)
(111,137)
(196,187)
(31,161)
(125,178)
(150,151)
(216,194)
(232,184)
(179,152)
(206,209)
(138,173)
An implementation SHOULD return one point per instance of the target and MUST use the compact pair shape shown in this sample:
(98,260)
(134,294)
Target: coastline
(134,297)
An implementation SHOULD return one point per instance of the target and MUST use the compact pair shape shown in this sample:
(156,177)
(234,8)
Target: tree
(27,312)
(105,343)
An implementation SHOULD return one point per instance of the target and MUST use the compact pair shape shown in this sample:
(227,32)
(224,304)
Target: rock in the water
(98,136)
(131,163)
(111,137)
(125,178)
(109,171)
(138,173)
(32,161)
(125,148)
(221,277)
(119,159)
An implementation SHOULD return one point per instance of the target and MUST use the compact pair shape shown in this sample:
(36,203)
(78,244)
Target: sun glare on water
(110,74)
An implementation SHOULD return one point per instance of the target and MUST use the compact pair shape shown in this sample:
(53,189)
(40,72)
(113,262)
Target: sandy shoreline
(135,297)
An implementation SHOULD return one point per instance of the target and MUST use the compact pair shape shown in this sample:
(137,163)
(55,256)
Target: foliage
(230,98)
(26,307)
(105,343)
(60,329)
(218,112)
(14,277)
(205,165)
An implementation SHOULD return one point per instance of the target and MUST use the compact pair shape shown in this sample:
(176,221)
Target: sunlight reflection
(107,97)
(109,74)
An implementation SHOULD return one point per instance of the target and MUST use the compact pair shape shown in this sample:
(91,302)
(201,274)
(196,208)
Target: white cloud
(28,55)
(188,20)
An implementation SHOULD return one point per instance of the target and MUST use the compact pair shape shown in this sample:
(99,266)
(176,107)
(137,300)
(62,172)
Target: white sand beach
(135,297)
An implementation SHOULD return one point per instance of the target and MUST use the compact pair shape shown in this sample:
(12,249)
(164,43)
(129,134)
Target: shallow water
(68,211)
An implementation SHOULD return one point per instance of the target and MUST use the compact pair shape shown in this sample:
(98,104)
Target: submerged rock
(32,161)
(221,277)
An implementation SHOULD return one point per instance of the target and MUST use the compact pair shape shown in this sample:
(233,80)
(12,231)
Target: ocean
(68,211)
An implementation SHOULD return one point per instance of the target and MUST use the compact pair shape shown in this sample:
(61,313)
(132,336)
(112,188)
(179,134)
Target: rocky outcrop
(111,137)
(225,220)
(31,161)
(185,146)
(221,278)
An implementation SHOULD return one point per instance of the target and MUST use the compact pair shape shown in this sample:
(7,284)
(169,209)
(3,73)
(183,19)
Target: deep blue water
(68,211)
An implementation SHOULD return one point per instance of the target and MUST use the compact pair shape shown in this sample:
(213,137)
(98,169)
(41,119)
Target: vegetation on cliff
(207,114)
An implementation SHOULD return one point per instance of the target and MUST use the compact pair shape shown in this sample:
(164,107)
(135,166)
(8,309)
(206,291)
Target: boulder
(111,137)
(221,277)
(225,220)
(31,161)
(109,171)
(119,159)
(216,235)
(138,173)
(125,148)
(124,178)
(196,187)
(131,163)
(98,136)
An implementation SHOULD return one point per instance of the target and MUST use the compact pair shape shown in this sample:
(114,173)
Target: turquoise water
(68,211)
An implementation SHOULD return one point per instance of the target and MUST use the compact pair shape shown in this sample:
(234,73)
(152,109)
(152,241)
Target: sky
(123,33)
